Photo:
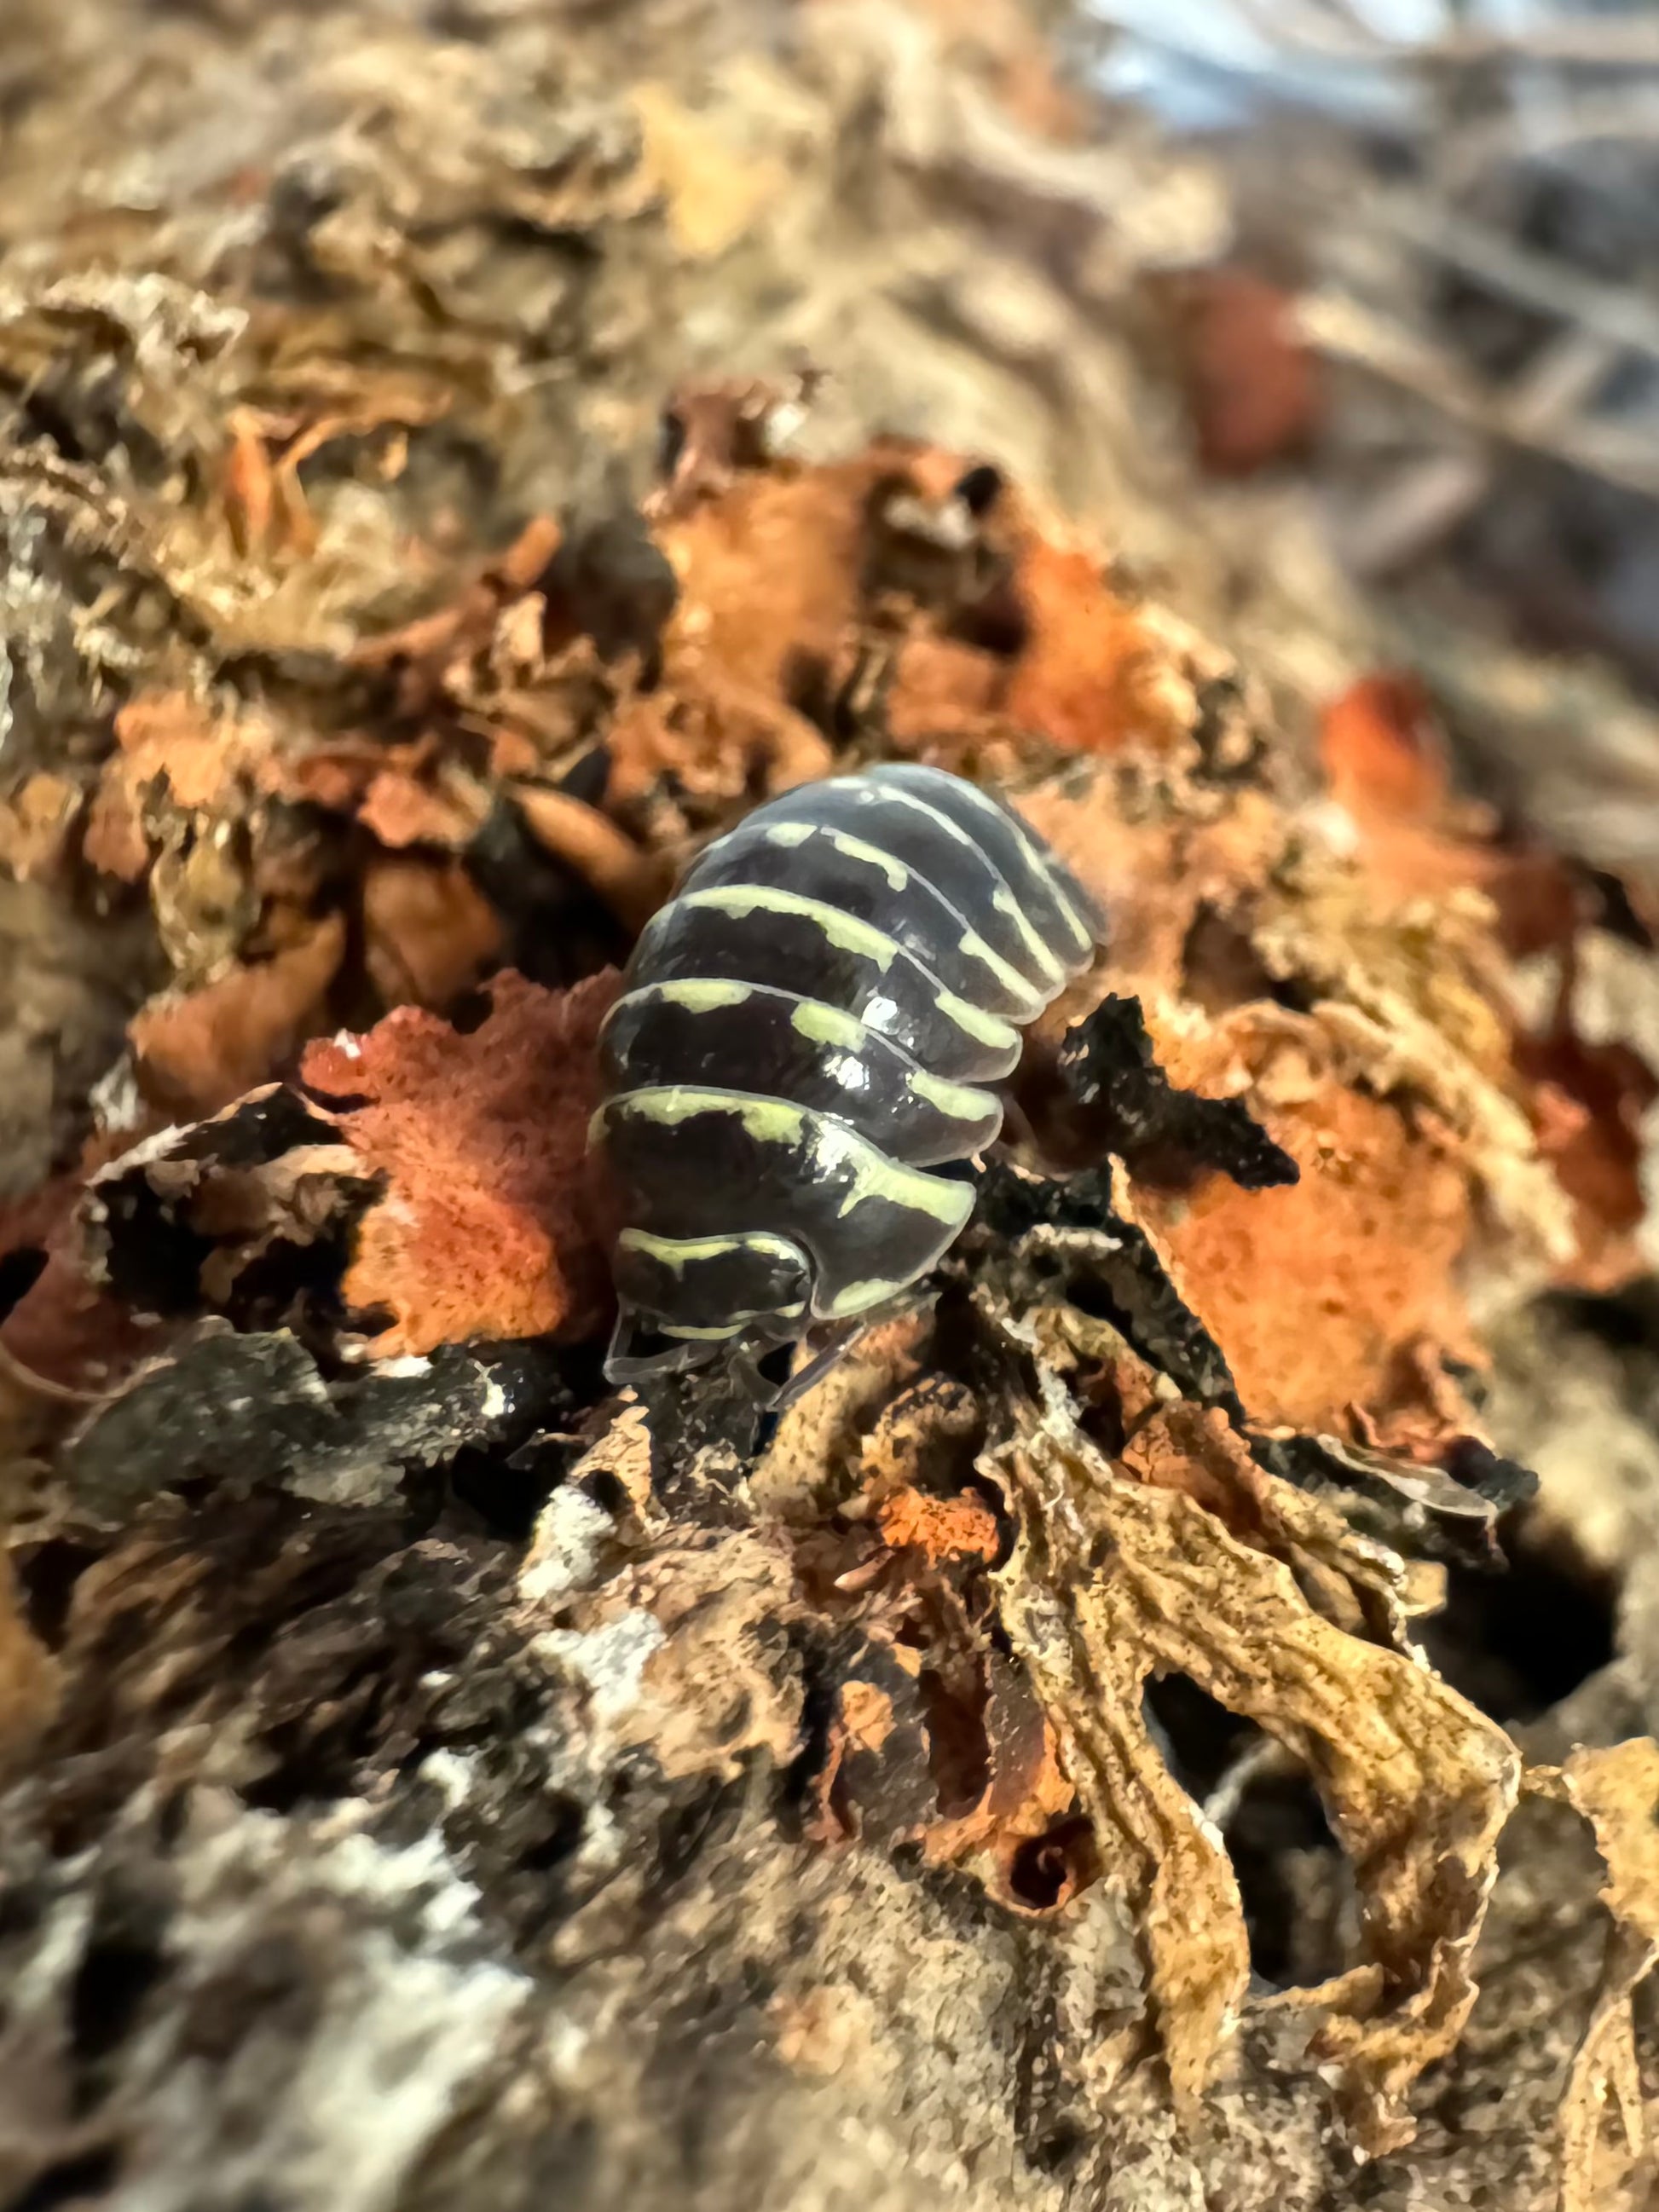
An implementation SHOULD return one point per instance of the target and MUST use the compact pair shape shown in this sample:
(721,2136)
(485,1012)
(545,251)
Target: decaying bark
(1014,1778)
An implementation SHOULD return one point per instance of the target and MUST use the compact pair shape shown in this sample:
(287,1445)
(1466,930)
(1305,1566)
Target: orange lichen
(1310,1290)
(962,1527)
(768,575)
(492,1224)
(1090,675)
(401,809)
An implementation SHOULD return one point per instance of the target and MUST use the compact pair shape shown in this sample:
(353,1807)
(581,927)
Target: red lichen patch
(429,932)
(1382,753)
(198,1051)
(786,573)
(1047,651)
(1253,385)
(1310,1290)
(492,1225)
(1155,877)
(1385,766)
(1025,1794)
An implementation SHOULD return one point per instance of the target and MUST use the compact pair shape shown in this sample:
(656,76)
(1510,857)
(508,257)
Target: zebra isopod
(806,1035)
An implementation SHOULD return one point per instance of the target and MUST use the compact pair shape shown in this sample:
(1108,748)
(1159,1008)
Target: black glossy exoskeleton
(804,1031)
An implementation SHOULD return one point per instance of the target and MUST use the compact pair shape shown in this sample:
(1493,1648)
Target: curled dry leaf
(489,1226)
(1111,1580)
(1617,1791)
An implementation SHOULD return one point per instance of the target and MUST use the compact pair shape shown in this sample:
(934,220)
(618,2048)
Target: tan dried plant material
(169,745)
(714,191)
(265,505)
(1616,1789)
(28,1679)
(36,824)
(491,1225)
(1112,1580)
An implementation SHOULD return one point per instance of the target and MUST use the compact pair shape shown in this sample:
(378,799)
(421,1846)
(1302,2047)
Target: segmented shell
(804,1031)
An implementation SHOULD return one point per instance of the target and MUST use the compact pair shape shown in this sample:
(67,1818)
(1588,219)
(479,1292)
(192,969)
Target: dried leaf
(428,930)
(1617,1791)
(1111,1579)
(198,1051)
(632,882)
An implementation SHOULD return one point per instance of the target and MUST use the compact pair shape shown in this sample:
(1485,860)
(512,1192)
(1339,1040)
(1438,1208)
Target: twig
(1343,330)
(1586,120)
(1623,317)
